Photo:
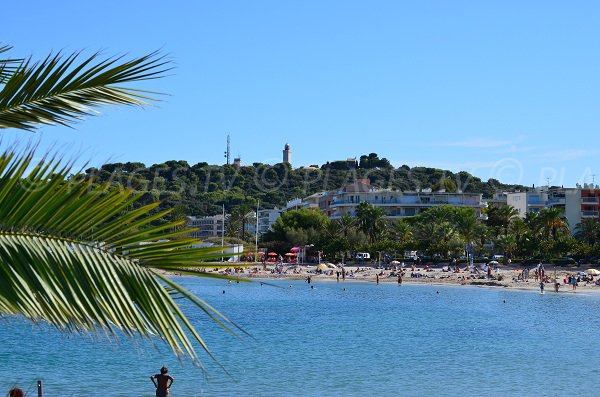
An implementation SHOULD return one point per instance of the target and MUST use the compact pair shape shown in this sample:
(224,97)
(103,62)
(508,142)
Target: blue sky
(502,89)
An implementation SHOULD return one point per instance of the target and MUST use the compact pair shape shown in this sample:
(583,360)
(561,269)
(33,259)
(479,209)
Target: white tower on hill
(287,154)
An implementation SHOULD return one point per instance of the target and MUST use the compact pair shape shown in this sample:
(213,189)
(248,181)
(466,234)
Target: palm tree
(553,222)
(440,238)
(403,233)
(371,220)
(508,244)
(73,254)
(501,217)
(466,222)
(521,233)
(238,219)
(588,230)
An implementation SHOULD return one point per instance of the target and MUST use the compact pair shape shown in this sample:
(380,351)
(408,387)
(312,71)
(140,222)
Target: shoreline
(508,280)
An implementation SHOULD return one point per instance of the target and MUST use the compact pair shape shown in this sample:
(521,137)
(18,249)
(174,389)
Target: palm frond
(61,90)
(75,255)
(78,288)
(8,66)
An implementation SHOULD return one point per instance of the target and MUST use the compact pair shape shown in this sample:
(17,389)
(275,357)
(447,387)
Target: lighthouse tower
(287,154)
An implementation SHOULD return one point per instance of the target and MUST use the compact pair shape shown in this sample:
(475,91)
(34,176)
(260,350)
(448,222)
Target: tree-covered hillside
(202,189)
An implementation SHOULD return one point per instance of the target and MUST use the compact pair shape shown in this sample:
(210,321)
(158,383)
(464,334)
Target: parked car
(363,256)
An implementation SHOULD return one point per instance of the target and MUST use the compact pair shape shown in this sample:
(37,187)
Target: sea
(334,339)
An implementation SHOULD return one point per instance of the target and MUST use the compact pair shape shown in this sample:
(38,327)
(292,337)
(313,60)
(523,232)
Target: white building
(266,219)
(231,252)
(208,226)
(577,203)
(395,204)
(499,199)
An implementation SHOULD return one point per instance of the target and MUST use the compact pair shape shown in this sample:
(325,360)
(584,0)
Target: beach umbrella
(493,263)
(290,254)
(593,272)
(395,262)
(272,254)
(295,249)
(322,267)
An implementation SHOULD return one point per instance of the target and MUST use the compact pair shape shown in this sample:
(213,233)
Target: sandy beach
(510,277)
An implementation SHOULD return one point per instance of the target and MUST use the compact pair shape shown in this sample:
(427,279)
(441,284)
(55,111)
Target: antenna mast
(227,154)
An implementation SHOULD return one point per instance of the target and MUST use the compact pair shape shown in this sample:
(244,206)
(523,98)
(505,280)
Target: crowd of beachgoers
(541,277)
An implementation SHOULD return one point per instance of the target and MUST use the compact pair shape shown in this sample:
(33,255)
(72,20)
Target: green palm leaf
(72,254)
(59,91)
(8,66)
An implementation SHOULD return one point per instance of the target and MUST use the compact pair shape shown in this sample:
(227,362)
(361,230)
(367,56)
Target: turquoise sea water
(370,339)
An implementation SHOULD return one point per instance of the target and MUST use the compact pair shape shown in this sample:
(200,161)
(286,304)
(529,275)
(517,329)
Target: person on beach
(377,278)
(162,382)
(343,274)
(16,392)
(541,287)
(399,278)
(308,279)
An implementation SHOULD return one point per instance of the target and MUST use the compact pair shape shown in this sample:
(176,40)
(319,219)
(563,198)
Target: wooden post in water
(40,389)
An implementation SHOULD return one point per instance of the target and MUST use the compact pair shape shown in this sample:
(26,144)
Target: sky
(501,89)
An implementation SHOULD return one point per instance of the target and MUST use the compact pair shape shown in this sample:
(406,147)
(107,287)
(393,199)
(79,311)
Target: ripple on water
(367,340)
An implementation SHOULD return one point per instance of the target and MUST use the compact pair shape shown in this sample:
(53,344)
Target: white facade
(396,203)
(208,226)
(575,202)
(232,252)
(294,204)
(518,201)
(266,219)
(499,199)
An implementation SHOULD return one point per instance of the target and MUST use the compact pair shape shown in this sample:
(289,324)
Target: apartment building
(208,226)
(577,203)
(266,219)
(397,204)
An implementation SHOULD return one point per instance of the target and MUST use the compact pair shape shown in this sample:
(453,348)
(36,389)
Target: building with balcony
(396,204)
(577,203)
(208,226)
(498,200)
(590,202)
(266,219)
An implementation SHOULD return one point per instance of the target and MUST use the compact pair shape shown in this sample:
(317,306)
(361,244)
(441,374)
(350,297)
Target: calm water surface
(386,340)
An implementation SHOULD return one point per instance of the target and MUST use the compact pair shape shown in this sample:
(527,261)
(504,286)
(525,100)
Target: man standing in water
(162,382)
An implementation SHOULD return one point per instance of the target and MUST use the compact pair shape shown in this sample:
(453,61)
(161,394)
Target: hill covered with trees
(201,189)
